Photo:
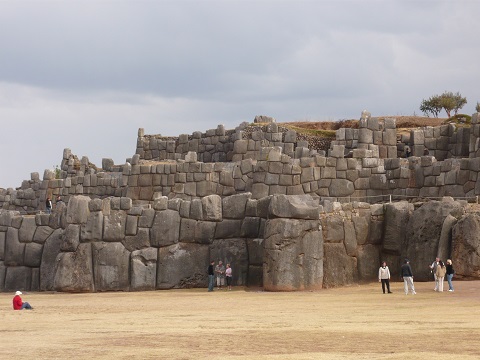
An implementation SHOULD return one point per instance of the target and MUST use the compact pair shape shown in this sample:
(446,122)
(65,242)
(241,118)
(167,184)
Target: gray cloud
(87,74)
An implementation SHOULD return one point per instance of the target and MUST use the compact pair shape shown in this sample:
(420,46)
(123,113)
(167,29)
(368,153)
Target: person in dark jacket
(407,276)
(211,275)
(18,304)
(450,273)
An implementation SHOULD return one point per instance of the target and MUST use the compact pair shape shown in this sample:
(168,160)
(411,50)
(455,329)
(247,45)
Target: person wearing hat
(407,276)
(18,304)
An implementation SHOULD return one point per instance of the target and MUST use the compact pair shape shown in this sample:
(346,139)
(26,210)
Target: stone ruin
(287,215)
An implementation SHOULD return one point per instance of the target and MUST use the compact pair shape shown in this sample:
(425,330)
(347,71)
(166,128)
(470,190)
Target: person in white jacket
(384,277)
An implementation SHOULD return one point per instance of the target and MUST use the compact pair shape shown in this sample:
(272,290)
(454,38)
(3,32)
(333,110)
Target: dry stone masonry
(285,214)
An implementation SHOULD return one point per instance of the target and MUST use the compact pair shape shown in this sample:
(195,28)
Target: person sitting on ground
(18,304)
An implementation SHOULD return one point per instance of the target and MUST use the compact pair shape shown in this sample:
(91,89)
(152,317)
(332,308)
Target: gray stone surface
(423,235)
(33,254)
(139,241)
(397,216)
(293,255)
(296,207)
(339,268)
(182,266)
(77,210)
(234,206)
(51,249)
(18,278)
(166,228)
(368,262)
(74,271)
(27,230)
(465,238)
(114,226)
(212,208)
(110,266)
(14,249)
(144,269)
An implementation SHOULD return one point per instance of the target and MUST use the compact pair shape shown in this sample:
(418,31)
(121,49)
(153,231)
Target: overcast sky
(86,75)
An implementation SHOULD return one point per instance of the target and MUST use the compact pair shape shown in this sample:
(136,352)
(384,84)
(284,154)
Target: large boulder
(143,269)
(339,269)
(234,206)
(293,255)
(51,249)
(74,270)
(423,232)
(212,208)
(27,229)
(368,262)
(93,228)
(166,228)
(294,207)
(114,226)
(14,249)
(397,214)
(445,242)
(18,278)
(182,265)
(111,266)
(77,210)
(466,247)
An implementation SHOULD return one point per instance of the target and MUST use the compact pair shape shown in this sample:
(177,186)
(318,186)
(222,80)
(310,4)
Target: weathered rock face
(293,255)
(48,266)
(397,216)
(144,269)
(423,235)
(281,242)
(339,268)
(368,262)
(182,265)
(294,207)
(466,247)
(110,266)
(74,271)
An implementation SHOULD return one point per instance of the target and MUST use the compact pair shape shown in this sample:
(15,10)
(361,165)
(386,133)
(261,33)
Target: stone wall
(109,244)
(364,176)
(284,215)
(281,242)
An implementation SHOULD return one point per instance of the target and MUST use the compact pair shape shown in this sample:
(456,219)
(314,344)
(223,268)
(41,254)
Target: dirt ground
(357,322)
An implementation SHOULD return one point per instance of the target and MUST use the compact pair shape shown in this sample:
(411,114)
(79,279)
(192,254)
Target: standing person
(18,304)
(220,273)
(384,277)
(440,275)
(433,270)
(48,205)
(407,276)
(450,273)
(228,275)
(211,276)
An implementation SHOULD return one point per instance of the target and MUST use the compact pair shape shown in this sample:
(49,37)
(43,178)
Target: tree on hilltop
(448,101)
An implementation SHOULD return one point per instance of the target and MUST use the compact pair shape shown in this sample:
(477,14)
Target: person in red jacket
(18,304)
